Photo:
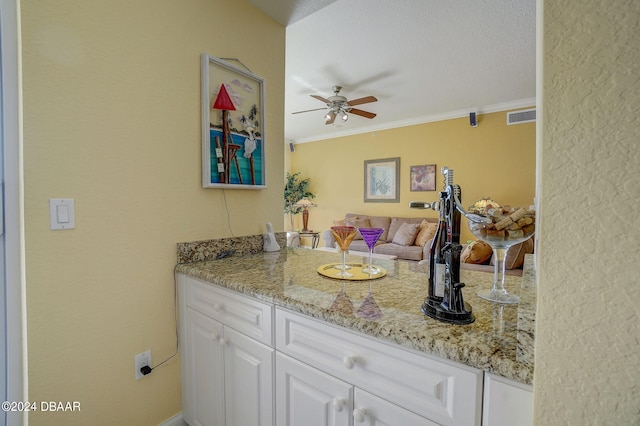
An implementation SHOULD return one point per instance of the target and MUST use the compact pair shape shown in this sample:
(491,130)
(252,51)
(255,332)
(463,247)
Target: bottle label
(439,274)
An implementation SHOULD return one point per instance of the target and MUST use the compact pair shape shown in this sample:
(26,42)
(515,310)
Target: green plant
(295,189)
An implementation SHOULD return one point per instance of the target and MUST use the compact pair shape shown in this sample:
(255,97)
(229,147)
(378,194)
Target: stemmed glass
(371,236)
(369,309)
(342,303)
(491,229)
(344,235)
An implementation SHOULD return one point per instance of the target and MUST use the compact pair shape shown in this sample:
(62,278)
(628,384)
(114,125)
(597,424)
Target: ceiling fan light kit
(339,106)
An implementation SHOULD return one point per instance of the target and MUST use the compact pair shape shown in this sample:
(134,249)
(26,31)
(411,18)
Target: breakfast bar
(500,340)
(286,326)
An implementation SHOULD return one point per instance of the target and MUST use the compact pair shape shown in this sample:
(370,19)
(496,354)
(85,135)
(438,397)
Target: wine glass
(342,303)
(501,230)
(371,236)
(369,308)
(344,235)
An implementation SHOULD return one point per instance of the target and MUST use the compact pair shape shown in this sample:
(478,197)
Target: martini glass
(342,303)
(490,229)
(344,235)
(369,309)
(371,236)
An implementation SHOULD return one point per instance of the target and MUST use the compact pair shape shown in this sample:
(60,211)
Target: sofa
(409,238)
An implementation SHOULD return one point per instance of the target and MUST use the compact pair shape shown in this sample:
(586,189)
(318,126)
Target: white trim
(176,420)
(505,106)
(17,385)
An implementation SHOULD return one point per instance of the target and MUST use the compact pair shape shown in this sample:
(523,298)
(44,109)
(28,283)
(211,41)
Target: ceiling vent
(522,116)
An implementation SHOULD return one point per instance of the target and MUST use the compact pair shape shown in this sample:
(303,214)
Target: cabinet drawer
(445,393)
(239,312)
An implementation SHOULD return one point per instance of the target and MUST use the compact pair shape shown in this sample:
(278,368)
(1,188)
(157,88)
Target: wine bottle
(436,257)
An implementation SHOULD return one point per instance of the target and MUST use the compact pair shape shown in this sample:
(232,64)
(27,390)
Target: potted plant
(295,189)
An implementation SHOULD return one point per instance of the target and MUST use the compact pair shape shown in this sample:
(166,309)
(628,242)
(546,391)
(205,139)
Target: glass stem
(344,261)
(371,260)
(498,275)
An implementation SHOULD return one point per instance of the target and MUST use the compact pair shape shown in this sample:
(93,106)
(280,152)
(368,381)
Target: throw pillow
(339,222)
(426,232)
(477,252)
(406,234)
(358,222)
(515,254)
(397,222)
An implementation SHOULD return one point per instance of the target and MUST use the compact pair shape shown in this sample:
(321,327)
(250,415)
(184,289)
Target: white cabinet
(227,377)
(202,372)
(307,396)
(247,363)
(373,411)
(506,402)
(406,381)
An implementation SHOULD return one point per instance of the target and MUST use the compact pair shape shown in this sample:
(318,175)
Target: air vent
(522,116)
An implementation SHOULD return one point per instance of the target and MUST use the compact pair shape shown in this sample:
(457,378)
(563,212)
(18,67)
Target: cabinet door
(373,411)
(248,367)
(306,396)
(506,402)
(203,399)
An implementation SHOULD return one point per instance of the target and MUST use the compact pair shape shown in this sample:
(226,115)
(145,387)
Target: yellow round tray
(330,271)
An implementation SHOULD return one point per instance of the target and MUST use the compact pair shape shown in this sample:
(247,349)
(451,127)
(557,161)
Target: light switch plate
(62,213)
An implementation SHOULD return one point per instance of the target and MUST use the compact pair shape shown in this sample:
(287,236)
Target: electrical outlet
(142,360)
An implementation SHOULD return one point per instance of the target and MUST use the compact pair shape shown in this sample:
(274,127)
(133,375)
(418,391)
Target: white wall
(587,337)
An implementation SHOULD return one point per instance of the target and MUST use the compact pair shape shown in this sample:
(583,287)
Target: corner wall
(480,156)
(112,119)
(587,340)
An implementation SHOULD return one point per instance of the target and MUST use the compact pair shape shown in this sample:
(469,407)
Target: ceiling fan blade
(361,113)
(320,98)
(361,101)
(308,110)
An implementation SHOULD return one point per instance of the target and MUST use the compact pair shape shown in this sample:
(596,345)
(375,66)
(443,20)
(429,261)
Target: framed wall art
(423,178)
(382,180)
(233,128)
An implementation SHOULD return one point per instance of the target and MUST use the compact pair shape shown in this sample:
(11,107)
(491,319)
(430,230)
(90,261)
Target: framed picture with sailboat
(233,128)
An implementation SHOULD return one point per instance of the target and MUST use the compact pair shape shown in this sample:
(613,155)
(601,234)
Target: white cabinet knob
(338,404)
(359,414)
(217,307)
(214,336)
(349,361)
(222,341)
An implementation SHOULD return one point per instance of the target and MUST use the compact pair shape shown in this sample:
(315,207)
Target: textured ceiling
(423,59)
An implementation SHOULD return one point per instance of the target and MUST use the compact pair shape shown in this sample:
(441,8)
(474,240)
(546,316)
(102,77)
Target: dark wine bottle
(436,257)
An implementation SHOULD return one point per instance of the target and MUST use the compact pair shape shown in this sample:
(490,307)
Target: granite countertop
(500,340)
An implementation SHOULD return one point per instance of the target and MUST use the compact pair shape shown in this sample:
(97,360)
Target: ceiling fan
(339,106)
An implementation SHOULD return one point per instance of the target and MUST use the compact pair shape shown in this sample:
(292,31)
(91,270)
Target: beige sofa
(405,247)
(418,249)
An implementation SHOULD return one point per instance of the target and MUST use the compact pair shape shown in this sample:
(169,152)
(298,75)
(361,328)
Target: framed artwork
(233,133)
(423,178)
(382,180)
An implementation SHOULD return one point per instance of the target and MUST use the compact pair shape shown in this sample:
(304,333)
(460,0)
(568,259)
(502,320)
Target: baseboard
(174,421)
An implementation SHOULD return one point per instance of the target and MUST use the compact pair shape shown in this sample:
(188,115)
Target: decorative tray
(330,271)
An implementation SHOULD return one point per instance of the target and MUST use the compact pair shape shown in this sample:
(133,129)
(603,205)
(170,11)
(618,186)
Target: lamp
(331,115)
(305,203)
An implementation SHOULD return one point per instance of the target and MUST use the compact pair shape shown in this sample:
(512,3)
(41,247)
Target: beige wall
(111,103)
(587,339)
(492,159)
(112,119)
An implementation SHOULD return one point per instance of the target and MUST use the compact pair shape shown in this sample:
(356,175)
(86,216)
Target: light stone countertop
(500,340)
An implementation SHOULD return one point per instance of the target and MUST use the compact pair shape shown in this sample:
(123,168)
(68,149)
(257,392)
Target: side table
(315,237)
